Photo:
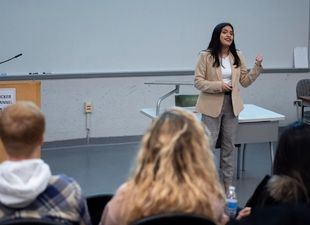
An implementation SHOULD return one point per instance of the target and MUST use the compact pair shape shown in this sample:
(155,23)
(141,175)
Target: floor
(101,168)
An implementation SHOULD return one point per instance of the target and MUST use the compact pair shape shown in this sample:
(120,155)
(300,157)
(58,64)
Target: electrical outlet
(88,107)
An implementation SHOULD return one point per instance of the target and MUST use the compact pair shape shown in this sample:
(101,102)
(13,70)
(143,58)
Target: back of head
(175,169)
(22,127)
(293,155)
(175,145)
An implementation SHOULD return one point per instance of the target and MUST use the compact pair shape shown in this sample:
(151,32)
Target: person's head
(223,37)
(22,127)
(175,170)
(293,156)
(176,143)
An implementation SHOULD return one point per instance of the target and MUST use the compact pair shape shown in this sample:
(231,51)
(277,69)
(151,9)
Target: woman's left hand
(259,59)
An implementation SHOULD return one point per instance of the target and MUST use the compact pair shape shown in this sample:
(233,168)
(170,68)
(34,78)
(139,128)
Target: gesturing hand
(259,59)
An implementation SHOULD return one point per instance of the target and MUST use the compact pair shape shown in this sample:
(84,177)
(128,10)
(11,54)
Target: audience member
(27,188)
(174,173)
(290,182)
(283,198)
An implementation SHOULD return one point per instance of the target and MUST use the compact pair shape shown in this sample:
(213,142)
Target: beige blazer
(208,79)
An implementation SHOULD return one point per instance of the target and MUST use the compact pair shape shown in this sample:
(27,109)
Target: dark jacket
(277,190)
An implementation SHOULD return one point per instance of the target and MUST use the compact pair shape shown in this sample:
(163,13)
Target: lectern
(25,91)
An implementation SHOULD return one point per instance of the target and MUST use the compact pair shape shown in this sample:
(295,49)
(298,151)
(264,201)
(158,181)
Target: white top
(226,70)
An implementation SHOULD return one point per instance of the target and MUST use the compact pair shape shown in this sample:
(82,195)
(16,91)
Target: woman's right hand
(226,87)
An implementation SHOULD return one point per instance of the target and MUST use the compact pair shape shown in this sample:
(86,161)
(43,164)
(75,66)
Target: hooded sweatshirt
(22,181)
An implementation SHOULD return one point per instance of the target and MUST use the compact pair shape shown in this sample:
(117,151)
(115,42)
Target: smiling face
(227,36)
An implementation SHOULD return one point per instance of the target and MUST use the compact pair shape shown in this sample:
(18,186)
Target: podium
(25,91)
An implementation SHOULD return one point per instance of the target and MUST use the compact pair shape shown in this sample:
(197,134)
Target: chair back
(96,204)
(185,100)
(31,221)
(303,88)
(174,219)
(302,102)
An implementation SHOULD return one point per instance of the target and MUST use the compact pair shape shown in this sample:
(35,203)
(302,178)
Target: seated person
(290,182)
(27,188)
(174,173)
(284,196)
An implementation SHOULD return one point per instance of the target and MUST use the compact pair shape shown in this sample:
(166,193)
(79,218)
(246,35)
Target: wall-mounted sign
(7,97)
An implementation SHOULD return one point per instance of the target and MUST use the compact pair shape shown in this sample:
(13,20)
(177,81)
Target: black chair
(96,204)
(31,221)
(174,219)
(303,99)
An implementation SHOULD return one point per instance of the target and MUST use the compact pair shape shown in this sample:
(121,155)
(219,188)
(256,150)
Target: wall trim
(102,141)
(92,141)
(62,76)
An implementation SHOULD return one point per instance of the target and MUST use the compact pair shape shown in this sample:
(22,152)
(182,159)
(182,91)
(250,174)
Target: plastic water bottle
(232,202)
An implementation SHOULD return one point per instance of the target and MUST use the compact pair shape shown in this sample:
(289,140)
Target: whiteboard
(78,36)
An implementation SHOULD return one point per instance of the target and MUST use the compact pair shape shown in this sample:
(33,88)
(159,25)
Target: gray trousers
(227,124)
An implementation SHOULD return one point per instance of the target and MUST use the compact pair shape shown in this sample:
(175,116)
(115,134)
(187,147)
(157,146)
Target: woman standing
(220,69)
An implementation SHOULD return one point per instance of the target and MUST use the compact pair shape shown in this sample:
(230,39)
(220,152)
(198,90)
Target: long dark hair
(293,156)
(215,45)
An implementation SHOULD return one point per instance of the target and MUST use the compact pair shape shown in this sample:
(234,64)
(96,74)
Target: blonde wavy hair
(175,170)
